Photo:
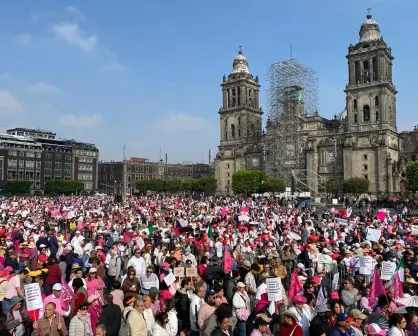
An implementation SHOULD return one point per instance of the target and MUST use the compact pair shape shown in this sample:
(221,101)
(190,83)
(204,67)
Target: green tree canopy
(66,187)
(273,185)
(18,187)
(356,186)
(332,187)
(247,182)
(412,175)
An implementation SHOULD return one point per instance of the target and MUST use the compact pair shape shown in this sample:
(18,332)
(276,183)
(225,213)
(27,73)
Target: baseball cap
(57,287)
(301,266)
(344,318)
(240,284)
(374,329)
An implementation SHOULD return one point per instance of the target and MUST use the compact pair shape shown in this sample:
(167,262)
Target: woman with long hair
(94,283)
(398,324)
(335,310)
(161,326)
(80,324)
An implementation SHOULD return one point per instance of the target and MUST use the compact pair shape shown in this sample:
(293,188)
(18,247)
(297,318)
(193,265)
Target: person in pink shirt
(93,282)
(13,288)
(55,297)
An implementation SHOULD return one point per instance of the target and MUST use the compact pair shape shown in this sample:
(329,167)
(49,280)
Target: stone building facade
(361,141)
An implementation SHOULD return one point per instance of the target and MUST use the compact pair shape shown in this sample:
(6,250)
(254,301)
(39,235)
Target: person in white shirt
(197,299)
(251,284)
(138,263)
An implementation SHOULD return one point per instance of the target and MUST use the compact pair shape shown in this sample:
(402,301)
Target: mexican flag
(210,232)
(399,279)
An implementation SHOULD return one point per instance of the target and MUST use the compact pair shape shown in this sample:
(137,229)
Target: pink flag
(228,261)
(397,287)
(67,295)
(295,286)
(377,287)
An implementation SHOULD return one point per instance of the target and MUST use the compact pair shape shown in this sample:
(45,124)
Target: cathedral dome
(369,30)
(240,64)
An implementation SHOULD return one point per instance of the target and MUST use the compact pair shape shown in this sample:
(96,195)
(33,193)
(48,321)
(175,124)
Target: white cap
(57,287)
(325,250)
(240,285)
(301,266)
(302,278)
(42,246)
(92,270)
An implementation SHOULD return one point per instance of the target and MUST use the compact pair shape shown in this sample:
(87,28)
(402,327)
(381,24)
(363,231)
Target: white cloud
(112,67)
(180,123)
(81,120)
(76,14)
(8,103)
(74,36)
(44,88)
(24,39)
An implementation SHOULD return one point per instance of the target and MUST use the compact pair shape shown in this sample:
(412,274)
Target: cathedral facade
(361,141)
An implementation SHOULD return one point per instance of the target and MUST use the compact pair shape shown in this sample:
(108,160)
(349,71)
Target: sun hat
(374,329)
(93,270)
(153,290)
(75,266)
(316,278)
(92,298)
(14,301)
(291,314)
(322,309)
(357,314)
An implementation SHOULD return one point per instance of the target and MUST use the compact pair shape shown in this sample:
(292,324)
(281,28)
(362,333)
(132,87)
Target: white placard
(388,270)
(366,265)
(169,279)
(342,221)
(33,296)
(320,261)
(335,281)
(274,289)
(414,230)
(373,234)
(141,243)
(335,201)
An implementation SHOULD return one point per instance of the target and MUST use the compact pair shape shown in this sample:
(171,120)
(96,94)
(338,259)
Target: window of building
(233,130)
(366,113)
(365,167)
(355,118)
(227,165)
(30,164)
(377,116)
(366,177)
(376,101)
(364,156)
(21,164)
(21,153)
(355,104)
(227,174)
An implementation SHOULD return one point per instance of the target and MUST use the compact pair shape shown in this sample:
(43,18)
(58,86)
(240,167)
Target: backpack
(209,274)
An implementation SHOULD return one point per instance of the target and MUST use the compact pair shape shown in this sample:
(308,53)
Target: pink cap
(299,299)
(374,329)
(316,278)
(334,295)
(165,264)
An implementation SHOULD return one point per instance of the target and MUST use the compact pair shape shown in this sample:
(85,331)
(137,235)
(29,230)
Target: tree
(247,182)
(273,185)
(66,187)
(356,186)
(205,185)
(332,187)
(412,176)
(18,187)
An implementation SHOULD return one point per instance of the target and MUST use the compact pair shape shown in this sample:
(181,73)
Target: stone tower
(240,124)
(371,141)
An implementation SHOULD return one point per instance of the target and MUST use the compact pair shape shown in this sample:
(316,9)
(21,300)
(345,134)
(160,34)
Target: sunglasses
(84,308)
(93,272)
(131,273)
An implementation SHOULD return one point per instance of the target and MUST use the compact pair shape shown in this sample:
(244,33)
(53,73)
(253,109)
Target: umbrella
(411,301)
(379,319)
(295,236)
(243,218)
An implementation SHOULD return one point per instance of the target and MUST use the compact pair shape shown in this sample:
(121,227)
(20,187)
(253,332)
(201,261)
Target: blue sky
(147,74)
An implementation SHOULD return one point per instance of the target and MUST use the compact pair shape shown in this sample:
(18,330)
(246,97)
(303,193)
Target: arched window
(233,130)
(252,130)
(226,129)
(377,116)
(376,101)
(239,120)
(355,104)
(366,113)
(355,118)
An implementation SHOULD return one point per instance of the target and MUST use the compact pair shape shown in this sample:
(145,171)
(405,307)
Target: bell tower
(240,124)
(370,92)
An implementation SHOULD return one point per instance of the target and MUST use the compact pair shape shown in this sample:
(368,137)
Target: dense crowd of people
(167,265)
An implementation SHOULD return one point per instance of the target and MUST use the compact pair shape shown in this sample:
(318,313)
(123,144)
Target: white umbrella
(411,301)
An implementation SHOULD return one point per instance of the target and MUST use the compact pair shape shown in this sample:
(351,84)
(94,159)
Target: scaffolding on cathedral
(292,94)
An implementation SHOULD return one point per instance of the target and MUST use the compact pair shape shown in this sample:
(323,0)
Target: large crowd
(167,265)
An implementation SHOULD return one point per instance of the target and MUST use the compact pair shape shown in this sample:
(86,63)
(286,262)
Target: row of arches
(366,114)
(232,131)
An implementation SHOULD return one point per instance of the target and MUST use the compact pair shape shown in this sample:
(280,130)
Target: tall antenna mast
(291,52)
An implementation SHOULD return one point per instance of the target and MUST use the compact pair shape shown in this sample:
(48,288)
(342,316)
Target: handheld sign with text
(191,272)
(274,289)
(33,297)
(179,272)
(169,279)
